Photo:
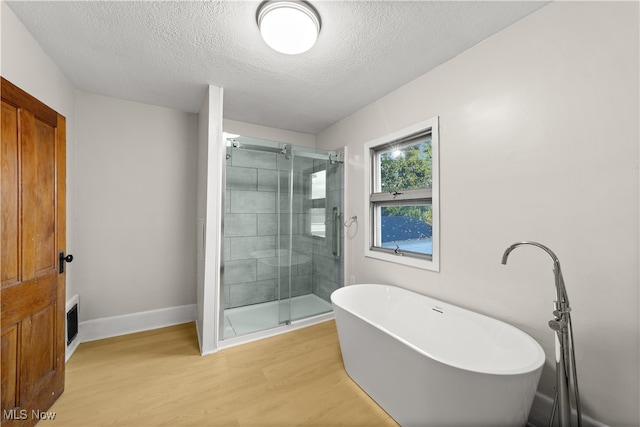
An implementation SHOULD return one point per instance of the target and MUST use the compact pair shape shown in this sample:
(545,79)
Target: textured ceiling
(166,52)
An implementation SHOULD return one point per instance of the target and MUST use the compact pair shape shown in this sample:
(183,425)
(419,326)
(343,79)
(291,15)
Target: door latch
(61,260)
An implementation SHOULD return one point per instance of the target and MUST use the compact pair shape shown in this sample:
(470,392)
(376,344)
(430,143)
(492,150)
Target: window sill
(424,264)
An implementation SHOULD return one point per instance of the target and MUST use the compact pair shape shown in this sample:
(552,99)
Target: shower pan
(282,235)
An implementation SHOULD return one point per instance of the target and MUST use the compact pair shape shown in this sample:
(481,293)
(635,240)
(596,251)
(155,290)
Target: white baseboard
(107,327)
(541,411)
(70,349)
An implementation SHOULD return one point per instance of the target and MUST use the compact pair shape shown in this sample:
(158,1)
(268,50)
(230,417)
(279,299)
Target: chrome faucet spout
(557,272)
(541,246)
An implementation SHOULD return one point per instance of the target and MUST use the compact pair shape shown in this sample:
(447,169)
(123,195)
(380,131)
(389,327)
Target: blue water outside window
(407,233)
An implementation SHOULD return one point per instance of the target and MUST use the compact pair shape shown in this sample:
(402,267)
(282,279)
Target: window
(401,212)
(318,201)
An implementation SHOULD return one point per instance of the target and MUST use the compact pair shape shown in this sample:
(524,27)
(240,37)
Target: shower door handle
(336,231)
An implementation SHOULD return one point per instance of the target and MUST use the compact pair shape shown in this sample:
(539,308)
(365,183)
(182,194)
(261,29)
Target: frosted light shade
(288,27)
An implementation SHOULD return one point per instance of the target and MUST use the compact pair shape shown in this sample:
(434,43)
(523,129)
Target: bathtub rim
(534,366)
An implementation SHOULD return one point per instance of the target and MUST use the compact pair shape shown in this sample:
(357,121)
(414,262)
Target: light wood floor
(158,378)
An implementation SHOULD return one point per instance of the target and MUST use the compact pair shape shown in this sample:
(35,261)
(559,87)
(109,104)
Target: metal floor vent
(72,320)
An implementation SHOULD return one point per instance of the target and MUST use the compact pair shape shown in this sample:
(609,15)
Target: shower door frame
(296,150)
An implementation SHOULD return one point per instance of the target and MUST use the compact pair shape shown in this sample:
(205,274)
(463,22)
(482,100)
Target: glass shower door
(312,218)
(250,272)
(326,200)
(285,208)
(282,244)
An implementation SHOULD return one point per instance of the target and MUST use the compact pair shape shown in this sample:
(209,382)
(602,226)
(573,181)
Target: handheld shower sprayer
(565,355)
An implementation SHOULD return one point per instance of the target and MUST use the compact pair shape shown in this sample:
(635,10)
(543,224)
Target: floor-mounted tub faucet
(561,292)
(565,355)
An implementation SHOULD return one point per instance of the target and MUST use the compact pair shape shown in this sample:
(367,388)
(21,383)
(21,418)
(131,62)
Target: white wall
(130,188)
(269,133)
(136,206)
(25,64)
(209,219)
(201,220)
(538,141)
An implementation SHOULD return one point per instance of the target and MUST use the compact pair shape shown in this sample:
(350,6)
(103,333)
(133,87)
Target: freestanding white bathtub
(429,363)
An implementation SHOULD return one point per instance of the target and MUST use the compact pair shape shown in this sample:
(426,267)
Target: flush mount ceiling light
(290,27)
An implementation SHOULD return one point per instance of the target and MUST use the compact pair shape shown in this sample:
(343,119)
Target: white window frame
(427,263)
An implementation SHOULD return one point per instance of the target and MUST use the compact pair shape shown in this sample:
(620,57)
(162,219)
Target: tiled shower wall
(254,211)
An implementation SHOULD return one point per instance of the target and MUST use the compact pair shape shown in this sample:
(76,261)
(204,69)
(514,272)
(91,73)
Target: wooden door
(32,295)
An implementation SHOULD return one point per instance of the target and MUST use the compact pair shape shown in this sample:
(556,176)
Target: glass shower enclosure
(282,232)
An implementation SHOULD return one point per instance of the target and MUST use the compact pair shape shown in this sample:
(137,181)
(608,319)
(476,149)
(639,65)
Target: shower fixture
(565,354)
(335,157)
(286,150)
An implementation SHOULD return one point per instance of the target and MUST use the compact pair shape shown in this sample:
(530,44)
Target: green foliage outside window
(407,168)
